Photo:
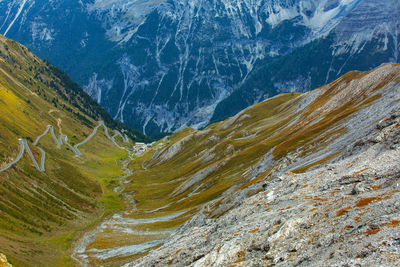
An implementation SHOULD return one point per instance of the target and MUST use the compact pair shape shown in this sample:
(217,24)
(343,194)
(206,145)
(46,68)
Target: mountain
(163,65)
(300,178)
(61,156)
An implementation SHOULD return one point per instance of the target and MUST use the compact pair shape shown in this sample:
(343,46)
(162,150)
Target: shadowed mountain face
(163,65)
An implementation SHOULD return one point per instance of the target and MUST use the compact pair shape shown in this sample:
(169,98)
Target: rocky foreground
(340,212)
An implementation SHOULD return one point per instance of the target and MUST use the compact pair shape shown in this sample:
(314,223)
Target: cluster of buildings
(140,148)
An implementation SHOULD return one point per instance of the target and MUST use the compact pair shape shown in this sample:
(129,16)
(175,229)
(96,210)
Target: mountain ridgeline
(60,157)
(75,96)
(163,65)
(67,90)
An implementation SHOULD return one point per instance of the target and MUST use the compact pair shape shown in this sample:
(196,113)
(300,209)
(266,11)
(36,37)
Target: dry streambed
(125,235)
(120,237)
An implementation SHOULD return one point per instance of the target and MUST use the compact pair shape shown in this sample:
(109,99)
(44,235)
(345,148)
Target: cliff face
(164,65)
(358,41)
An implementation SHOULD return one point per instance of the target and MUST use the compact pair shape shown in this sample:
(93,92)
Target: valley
(266,133)
(96,198)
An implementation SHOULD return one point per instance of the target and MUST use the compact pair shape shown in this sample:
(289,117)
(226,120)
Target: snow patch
(96,87)
(41,32)
(20,9)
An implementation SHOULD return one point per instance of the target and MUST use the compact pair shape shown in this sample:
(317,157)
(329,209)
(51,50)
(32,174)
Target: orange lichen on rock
(342,211)
(366,201)
(375,187)
(393,223)
(372,231)
(360,171)
(241,256)
(320,199)
(254,230)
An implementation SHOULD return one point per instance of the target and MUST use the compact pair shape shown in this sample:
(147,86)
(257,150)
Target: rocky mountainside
(343,213)
(311,179)
(58,163)
(267,184)
(167,64)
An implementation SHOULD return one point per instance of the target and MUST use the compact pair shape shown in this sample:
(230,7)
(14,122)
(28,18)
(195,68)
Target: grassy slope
(233,148)
(41,214)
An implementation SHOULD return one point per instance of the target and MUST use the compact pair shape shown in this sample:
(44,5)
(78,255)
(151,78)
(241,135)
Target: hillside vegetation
(43,212)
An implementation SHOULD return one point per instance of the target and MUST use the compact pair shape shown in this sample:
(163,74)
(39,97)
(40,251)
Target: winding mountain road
(49,127)
(62,139)
(101,123)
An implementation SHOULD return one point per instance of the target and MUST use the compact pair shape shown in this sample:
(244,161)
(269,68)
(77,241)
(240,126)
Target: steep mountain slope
(166,64)
(342,213)
(367,35)
(58,164)
(215,178)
